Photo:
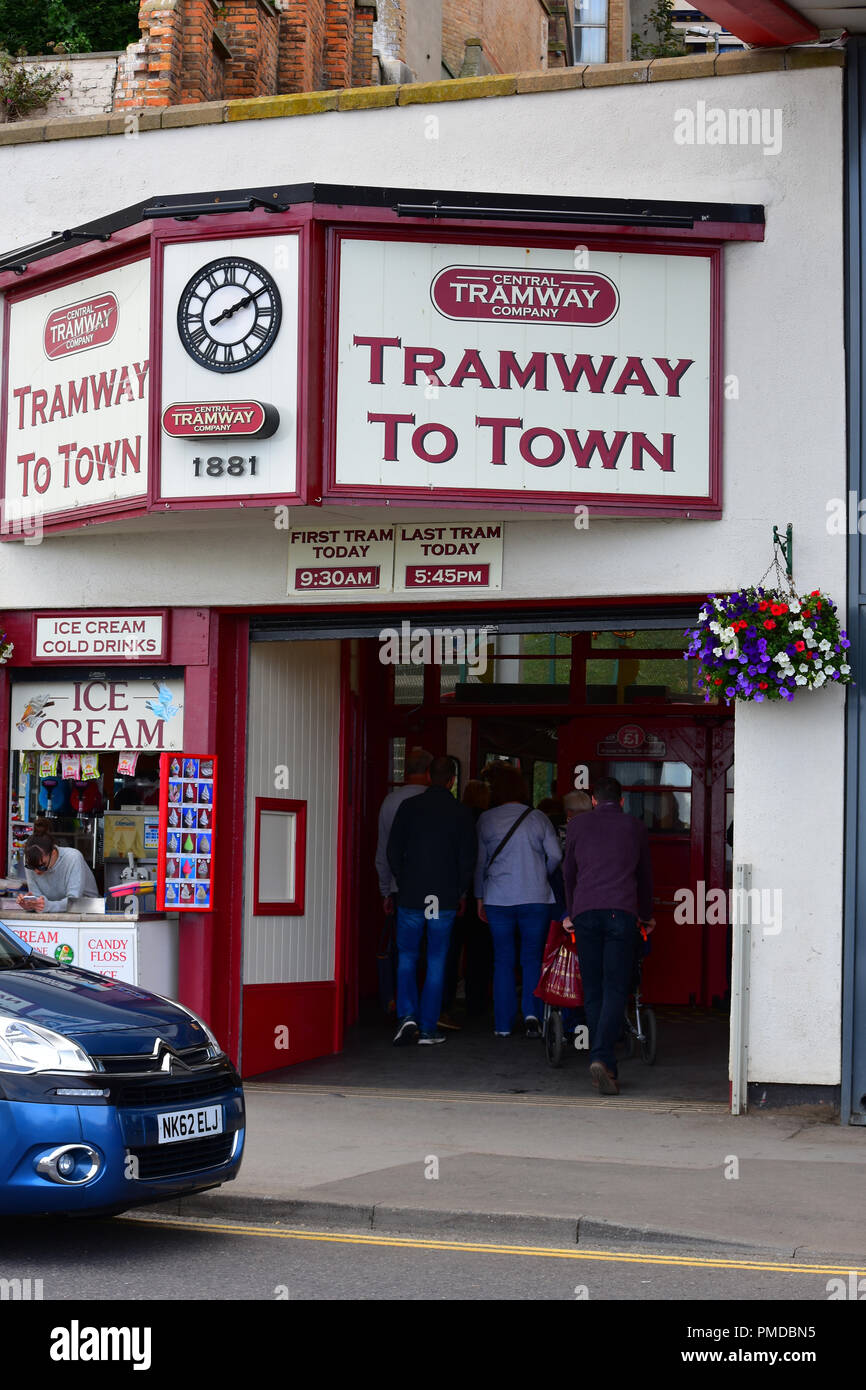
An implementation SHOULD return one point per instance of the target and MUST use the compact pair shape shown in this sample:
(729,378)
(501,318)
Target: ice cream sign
(98,715)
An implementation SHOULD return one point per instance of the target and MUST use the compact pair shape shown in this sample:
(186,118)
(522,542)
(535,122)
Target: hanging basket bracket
(786,546)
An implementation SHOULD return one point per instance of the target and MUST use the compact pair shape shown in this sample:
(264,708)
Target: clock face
(229,314)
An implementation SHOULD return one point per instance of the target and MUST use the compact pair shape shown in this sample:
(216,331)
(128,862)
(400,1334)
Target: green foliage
(67,26)
(24,89)
(668,44)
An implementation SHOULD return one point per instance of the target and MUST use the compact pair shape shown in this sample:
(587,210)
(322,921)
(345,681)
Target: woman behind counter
(54,874)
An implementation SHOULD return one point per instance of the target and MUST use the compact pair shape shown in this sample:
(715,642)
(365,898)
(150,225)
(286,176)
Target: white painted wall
(784,441)
(294,721)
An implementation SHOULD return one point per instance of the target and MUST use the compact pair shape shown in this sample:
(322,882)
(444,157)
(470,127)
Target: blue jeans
(532,921)
(410,933)
(606,951)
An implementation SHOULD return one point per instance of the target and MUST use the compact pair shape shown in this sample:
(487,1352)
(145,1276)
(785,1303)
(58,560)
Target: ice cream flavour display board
(187,813)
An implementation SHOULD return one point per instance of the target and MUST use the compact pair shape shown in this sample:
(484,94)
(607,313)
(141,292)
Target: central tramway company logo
(76,327)
(497,293)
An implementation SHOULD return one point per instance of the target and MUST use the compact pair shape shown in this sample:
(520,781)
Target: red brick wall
(251,33)
(339,43)
(155,79)
(301,45)
(308,46)
(511,33)
(362,49)
(202,71)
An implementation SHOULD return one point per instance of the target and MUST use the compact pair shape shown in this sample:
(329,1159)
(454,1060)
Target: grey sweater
(69,878)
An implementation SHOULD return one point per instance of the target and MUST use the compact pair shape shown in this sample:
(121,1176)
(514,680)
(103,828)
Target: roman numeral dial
(229,314)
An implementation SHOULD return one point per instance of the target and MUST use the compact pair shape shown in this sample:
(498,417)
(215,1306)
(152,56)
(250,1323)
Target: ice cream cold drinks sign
(497,369)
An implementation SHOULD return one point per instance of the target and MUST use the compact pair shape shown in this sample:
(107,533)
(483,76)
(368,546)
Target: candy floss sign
(75,430)
(499,372)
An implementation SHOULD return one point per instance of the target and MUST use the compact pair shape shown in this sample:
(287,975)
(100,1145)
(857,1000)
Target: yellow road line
(488,1248)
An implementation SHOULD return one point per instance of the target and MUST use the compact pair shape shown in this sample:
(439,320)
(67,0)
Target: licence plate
(177,1125)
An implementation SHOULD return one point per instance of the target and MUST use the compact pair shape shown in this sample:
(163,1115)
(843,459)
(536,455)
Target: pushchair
(639,1029)
(561,990)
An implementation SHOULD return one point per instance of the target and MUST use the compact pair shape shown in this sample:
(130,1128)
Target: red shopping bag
(560,983)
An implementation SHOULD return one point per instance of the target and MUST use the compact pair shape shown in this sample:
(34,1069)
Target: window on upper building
(590,31)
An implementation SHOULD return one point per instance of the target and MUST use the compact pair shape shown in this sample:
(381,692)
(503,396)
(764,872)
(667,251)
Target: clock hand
(241,304)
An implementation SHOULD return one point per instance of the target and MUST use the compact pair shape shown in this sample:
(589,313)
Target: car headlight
(27,1047)
(212,1041)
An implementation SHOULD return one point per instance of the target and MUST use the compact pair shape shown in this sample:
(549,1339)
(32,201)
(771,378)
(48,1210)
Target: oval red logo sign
(77,327)
(501,293)
(194,419)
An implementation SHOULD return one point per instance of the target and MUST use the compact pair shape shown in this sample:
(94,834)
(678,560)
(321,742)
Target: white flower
(828,670)
(819,679)
(844,670)
(824,645)
(717,651)
(800,680)
(714,627)
(808,635)
(796,624)
(794,606)
(803,666)
(703,615)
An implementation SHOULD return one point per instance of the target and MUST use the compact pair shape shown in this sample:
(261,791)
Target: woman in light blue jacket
(514,894)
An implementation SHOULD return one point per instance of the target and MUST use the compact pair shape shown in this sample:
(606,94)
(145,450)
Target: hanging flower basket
(765,644)
(6,648)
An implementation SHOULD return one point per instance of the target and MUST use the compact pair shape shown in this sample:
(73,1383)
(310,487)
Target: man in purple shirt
(608,890)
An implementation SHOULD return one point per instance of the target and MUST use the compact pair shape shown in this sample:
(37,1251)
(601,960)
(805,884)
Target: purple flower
(730,691)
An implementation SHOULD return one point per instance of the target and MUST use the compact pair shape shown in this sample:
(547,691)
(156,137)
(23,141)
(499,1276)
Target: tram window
(664,812)
(644,639)
(396,762)
(409,685)
(543,781)
(631,679)
(637,773)
(521,667)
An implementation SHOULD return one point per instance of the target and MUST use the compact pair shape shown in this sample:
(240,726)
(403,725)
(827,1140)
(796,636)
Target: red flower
(762,685)
(769,624)
(718,680)
(806,613)
(800,646)
(815,593)
(777,609)
(763,605)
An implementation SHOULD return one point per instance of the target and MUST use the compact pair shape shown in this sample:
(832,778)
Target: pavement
(480,1137)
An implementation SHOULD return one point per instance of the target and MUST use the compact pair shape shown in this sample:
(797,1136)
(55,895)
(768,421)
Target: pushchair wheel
(628,1041)
(554,1036)
(648,1045)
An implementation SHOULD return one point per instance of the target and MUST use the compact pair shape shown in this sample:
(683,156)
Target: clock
(229,314)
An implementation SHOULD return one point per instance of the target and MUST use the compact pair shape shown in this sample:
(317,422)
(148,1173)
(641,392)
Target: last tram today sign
(538,375)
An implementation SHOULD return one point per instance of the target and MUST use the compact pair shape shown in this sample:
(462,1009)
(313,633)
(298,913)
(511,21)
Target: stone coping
(422,93)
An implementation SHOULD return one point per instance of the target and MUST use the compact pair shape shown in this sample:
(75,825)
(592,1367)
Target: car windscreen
(12,956)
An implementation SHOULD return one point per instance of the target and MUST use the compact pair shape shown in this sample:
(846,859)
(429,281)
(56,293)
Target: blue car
(110,1097)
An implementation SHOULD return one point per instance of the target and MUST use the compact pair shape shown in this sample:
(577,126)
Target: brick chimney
(207,50)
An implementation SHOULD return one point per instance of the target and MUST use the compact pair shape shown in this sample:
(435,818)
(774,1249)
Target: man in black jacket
(432,850)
